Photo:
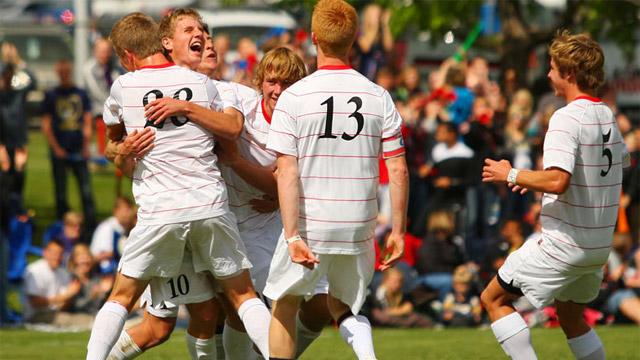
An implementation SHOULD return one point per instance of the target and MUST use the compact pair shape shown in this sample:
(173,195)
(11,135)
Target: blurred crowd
(460,230)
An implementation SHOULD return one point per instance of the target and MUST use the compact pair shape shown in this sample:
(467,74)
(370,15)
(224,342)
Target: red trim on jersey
(265,114)
(590,98)
(578,226)
(393,153)
(576,245)
(335,67)
(159,66)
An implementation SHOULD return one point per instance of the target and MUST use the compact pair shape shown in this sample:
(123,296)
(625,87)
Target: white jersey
(178,180)
(577,226)
(337,122)
(252,147)
(41,280)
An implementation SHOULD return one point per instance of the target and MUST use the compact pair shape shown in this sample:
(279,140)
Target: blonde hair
(168,23)
(136,33)
(581,56)
(440,220)
(335,23)
(72,217)
(77,250)
(283,63)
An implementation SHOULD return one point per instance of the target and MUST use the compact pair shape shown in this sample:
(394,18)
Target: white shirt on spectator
(41,280)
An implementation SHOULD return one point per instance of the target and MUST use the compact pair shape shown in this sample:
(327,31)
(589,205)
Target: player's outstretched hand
(160,109)
(392,252)
(495,171)
(517,188)
(138,143)
(301,254)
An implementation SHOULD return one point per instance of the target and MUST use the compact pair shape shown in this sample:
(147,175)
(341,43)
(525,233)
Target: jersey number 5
(606,153)
(328,127)
(176,120)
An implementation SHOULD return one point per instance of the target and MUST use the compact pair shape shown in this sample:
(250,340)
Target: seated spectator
(106,244)
(625,302)
(392,308)
(440,254)
(461,307)
(48,286)
(93,289)
(68,232)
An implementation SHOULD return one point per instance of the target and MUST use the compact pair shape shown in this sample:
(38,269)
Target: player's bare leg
(312,317)
(583,341)
(153,331)
(110,319)
(251,310)
(282,330)
(201,330)
(508,326)
(354,329)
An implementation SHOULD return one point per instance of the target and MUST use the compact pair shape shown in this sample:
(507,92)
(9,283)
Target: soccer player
(583,160)
(249,175)
(181,195)
(328,130)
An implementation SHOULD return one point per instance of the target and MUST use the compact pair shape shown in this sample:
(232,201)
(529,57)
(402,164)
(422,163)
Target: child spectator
(93,290)
(461,307)
(392,308)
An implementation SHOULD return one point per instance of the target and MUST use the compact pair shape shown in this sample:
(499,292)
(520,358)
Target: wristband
(293,239)
(513,174)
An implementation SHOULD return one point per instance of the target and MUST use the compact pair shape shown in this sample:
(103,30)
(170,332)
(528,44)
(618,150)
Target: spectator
(409,84)
(99,74)
(392,308)
(375,41)
(626,302)
(106,243)
(66,123)
(452,172)
(48,287)
(224,70)
(441,252)
(93,289)
(247,59)
(461,307)
(460,108)
(15,82)
(68,232)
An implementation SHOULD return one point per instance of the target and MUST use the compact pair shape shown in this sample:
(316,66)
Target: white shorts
(261,244)
(157,250)
(529,270)
(348,276)
(164,295)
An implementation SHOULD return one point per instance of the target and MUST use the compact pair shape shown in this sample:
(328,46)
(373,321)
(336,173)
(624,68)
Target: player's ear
(314,39)
(167,43)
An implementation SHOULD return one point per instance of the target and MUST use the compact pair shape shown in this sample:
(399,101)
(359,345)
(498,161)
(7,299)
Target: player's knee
(160,333)
(488,299)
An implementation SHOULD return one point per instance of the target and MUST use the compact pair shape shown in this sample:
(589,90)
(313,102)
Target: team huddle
(257,209)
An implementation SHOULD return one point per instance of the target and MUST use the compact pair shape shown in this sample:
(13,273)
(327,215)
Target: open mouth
(196,46)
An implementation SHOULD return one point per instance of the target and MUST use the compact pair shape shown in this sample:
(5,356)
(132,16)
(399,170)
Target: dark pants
(80,170)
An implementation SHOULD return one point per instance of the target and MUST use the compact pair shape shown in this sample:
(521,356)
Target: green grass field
(621,342)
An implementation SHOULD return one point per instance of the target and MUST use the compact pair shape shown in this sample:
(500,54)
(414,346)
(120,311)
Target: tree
(523,28)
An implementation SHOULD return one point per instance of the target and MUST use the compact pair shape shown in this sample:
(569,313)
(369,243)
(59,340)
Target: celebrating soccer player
(583,160)
(328,130)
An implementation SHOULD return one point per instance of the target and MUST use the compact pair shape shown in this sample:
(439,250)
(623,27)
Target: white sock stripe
(508,326)
(585,344)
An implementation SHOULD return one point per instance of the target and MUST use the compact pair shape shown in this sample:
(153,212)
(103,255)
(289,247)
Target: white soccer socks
(201,349)
(237,344)
(125,348)
(514,337)
(304,336)
(587,346)
(356,331)
(106,329)
(256,319)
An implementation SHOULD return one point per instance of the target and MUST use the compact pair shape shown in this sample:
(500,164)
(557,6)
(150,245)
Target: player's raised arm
(552,181)
(227,124)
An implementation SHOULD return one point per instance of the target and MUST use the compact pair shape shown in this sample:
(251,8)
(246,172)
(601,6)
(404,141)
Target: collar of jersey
(264,112)
(159,66)
(335,67)
(590,98)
